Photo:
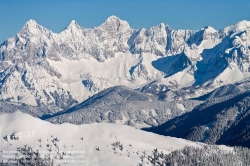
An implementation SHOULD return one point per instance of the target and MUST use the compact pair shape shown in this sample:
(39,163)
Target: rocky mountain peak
(242,25)
(236,28)
(31,23)
(73,24)
(113,18)
(31,27)
(162,25)
(209,29)
(115,23)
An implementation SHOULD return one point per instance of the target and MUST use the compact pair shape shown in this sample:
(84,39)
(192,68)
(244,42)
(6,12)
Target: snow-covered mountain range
(58,70)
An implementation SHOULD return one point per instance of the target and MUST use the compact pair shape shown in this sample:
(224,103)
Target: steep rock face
(39,67)
(217,58)
(206,33)
(152,40)
(177,40)
(229,57)
(100,42)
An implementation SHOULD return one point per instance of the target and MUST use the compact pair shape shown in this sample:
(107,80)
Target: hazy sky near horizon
(178,14)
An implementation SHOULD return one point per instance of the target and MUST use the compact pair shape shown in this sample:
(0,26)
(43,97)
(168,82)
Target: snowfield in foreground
(90,144)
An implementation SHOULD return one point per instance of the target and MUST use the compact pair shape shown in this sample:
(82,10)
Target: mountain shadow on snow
(172,64)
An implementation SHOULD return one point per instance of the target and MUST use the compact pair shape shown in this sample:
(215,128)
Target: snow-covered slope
(39,67)
(89,144)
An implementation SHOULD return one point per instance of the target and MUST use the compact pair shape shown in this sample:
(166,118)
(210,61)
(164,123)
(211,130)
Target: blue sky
(178,14)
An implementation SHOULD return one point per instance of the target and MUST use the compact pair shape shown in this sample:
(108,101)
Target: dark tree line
(196,156)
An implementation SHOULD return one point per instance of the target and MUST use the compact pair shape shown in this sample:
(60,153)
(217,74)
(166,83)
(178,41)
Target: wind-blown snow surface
(83,139)
(39,67)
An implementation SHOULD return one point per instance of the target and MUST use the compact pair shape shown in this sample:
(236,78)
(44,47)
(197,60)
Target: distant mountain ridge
(58,70)
(122,105)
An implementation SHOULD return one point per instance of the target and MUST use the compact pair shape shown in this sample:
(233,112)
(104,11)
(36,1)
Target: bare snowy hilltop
(191,84)
(89,144)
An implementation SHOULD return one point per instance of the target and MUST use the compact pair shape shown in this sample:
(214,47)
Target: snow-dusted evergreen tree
(205,156)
